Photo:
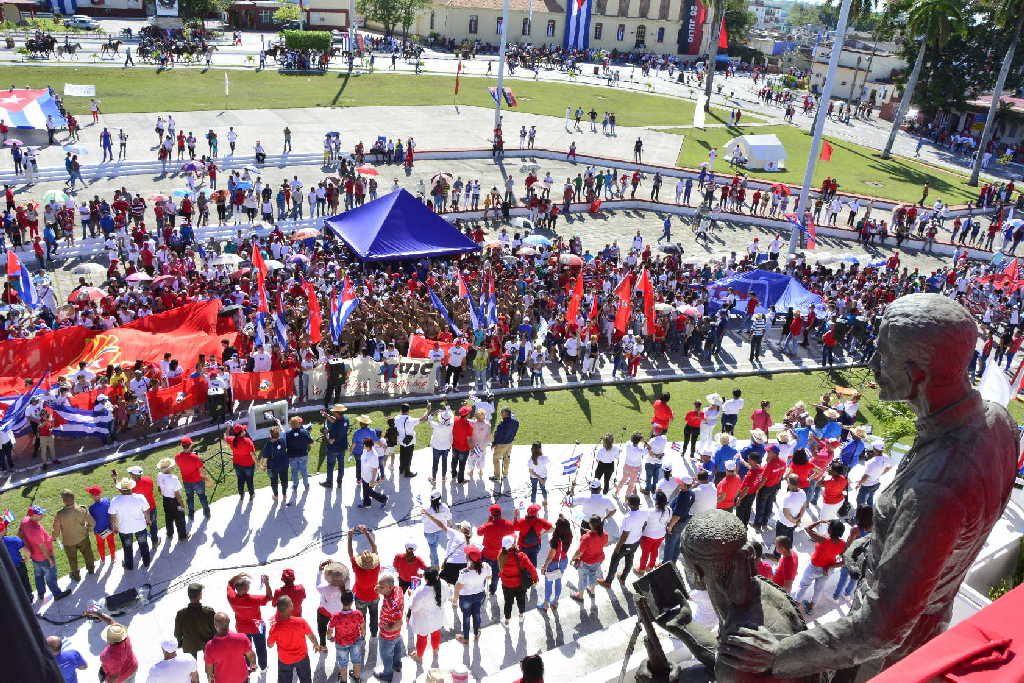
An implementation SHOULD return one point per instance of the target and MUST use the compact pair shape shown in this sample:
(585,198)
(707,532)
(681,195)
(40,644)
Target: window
(497,26)
(431,20)
(265,16)
(661,35)
(526,26)
(474,23)
(620,32)
(641,35)
(598,30)
(551,28)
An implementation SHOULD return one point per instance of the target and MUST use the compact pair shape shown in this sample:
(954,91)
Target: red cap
(464,411)
(494,508)
(93,490)
(238,428)
(533,509)
(288,575)
(186,441)
(473,553)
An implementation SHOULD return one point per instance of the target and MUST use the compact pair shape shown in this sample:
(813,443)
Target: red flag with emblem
(168,401)
(262,386)
(624,308)
(316,320)
(595,307)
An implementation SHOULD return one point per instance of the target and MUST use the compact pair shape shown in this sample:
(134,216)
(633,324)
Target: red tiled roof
(514,5)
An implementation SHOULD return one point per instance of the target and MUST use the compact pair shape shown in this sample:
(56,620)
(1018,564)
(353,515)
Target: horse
(41,44)
(275,52)
(111,46)
(68,49)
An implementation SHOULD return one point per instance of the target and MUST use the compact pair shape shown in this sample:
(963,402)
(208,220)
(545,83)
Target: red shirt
(752,480)
(764,569)
(247,610)
(242,450)
(530,530)
(144,486)
(592,547)
(391,611)
(694,418)
(785,571)
(191,467)
(729,486)
(834,490)
(826,552)
(365,585)
(406,568)
(662,415)
(462,432)
(227,656)
(296,593)
(492,532)
(772,472)
(290,637)
(347,626)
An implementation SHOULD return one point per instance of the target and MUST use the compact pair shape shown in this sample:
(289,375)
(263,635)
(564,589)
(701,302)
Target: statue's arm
(698,639)
(927,525)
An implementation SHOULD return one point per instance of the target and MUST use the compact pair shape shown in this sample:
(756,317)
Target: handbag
(844,509)
(525,578)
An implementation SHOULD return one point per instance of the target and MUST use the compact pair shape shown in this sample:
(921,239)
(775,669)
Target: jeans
(845,585)
(670,550)
(335,459)
(369,610)
(470,606)
(534,483)
(298,467)
(553,587)
(286,673)
(46,576)
(866,495)
(812,576)
(244,476)
(493,564)
(434,539)
(389,652)
(259,643)
(126,544)
(625,552)
(459,465)
(763,505)
(440,458)
(651,470)
(589,574)
(349,653)
(193,489)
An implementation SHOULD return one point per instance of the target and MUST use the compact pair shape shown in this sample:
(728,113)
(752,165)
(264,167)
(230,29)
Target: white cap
(508,541)
(878,445)
(730,465)
(595,483)
(435,494)
(136,470)
(686,479)
(169,645)
(410,545)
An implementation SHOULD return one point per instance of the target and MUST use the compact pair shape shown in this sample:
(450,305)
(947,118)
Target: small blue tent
(398,226)
(772,289)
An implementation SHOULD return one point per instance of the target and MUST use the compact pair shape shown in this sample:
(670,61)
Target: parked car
(81,21)
(293,25)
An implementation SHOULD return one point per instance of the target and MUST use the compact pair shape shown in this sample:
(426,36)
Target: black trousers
(405,459)
(321,627)
(514,594)
(626,552)
(369,493)
(333,393)
(174,518)
(690,437)
(783,530)
(604,471)
(744,507)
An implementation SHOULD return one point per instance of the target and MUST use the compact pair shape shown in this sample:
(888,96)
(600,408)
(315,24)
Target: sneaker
(384,502)
(327,484)
(61,595)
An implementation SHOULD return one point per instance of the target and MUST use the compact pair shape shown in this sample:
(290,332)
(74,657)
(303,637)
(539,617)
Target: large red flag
(723,37)
(826,151)
(186,395)
(262,386)
(624,308)
(316,321)
(260,266)
(647,289)
(573,310)
(87,399)
(595,307)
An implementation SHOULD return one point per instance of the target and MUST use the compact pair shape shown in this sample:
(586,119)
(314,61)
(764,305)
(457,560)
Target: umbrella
(241,272)
(139,276)
(231,309)
(495,246)
(76,149)
(182,192)
(243,185)
(662,307)
(191,166)
(305,234)
(522,223)
(14,142)
(537,240)
(273,265)
(89,269)
(689,311)
(670,248)
(54,196)
(226,260)
(163,279)
(158,198)
(439,176)
(570,260)
(252,169)
(298,258)
(526,251)
(367,170)
(86,294)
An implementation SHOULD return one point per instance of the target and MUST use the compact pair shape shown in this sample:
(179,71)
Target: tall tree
(936,22)
(1010,15)
(387,13)
(718,9)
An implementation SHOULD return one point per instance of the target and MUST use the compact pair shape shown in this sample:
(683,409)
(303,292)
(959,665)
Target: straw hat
(724,438)
(165,465)
(339,408)
(125,484)
(714,399)
(832,414)
(114,634)
(758,436)
(364,420)
(859,432)
(367,559)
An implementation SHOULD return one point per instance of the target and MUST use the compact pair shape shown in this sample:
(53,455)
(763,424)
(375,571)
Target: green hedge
(307,40)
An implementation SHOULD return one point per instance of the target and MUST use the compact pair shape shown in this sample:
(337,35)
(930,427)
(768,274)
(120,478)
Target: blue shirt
(14,546)
(276,455)
(100,514)
(506,431)
(830,430)
(68,662)
(851,452)
(297,442)
(722,456)
(338,431)
(803,436)
(360,434)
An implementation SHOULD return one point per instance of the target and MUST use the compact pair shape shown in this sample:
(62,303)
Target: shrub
(307,40)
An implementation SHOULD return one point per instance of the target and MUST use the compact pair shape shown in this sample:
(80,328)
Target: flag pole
(501,64)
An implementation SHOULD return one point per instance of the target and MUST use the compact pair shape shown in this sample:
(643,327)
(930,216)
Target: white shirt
(168,483)
(261,361)
(456,356)
(792,502)
(633,524)
(330,595)
(369,461)
(634,455)
(874,468)
(455,551)
(733,406)
(539,469)
(131,512)
(178,669)
(656,522)
(596,504)
(705,497)
(472,583)
(406,425)
(444,514)
(441,436)
(608,455)
(667,486)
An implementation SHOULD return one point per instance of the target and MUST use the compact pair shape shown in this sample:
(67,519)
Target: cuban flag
(464,293)
(808,229)
(75,422)
(21,280)
(577,24)
(14,416)
(490,308)
(443,311)
(262,307)
(571,465)
(280,325)
(29,109)
(342,306)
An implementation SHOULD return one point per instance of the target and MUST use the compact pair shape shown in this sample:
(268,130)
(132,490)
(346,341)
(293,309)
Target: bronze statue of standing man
(930,522)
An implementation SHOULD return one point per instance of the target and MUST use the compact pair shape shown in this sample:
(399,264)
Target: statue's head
(923,339)
(717,554)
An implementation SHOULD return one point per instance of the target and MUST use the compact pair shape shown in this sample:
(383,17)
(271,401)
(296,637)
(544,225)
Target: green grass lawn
(145,90)
(859,169)
(563,416)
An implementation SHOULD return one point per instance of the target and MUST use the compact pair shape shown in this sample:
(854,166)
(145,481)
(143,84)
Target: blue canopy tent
(772,289)
(396,227)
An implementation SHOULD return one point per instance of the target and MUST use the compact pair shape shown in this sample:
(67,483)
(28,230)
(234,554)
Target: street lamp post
(819,122)
(501,64)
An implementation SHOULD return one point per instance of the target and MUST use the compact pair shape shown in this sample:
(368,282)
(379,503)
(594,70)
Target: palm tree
(1010,13)
(935,21)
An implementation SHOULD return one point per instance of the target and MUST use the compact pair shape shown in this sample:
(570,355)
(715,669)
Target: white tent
(758,152)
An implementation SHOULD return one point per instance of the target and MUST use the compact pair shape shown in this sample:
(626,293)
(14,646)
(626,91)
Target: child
(505,369)
(391,440)
(348,631)
(785,570)
(764,569)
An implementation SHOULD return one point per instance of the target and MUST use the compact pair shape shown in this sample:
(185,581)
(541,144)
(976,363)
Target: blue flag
(443,311)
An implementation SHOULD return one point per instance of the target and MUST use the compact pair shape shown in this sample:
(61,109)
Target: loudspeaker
(119,602)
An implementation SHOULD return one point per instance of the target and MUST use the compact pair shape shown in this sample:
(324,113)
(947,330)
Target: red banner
(420,346)
(183,396)
(184,332)
(87,399)
(692,34)
(262,386)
